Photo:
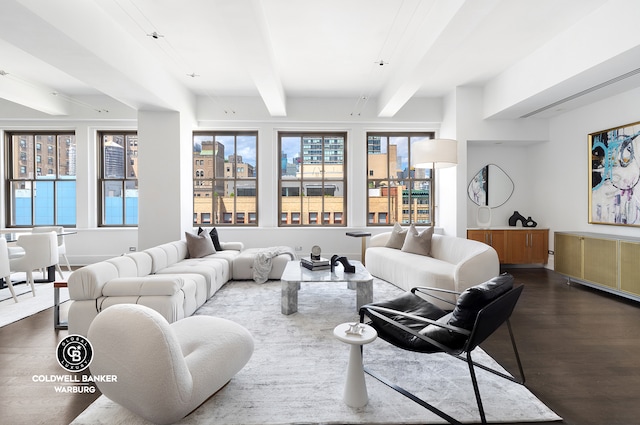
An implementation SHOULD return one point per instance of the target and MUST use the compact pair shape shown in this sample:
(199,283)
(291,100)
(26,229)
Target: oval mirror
(490,186)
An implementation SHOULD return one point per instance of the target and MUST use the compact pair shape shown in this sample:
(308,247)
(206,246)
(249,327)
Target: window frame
(293,220)
(409,180)
(102,179)
(17,163)
(201,180)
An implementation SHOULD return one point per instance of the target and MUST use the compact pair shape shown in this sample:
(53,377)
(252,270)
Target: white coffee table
(355,389)
(294,274)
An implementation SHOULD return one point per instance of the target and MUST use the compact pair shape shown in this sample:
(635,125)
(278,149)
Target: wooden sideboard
(607,262)
(522,245)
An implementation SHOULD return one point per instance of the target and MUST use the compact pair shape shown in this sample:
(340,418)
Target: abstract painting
(614,173)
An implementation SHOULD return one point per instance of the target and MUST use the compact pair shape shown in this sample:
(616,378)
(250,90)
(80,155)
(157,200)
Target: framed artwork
(614,173)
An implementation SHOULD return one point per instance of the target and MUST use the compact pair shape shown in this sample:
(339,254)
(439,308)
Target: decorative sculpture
(513,220)
(348,267)
(525,222)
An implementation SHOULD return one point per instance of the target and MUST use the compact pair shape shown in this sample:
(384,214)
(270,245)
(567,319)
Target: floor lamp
(434,153)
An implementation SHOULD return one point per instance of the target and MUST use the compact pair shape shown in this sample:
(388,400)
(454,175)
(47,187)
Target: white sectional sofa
(163,278)
(454,263)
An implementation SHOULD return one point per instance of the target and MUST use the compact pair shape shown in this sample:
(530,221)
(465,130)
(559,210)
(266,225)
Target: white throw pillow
(396,240)
(418,243)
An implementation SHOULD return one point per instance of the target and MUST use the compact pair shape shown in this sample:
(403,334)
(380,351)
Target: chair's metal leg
(476,390)
(515,350)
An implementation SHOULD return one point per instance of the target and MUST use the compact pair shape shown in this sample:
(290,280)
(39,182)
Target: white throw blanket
(262,262)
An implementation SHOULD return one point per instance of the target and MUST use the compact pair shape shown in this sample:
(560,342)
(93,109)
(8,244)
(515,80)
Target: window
(118,183)
(35,198)
(312,178)
(225,179)
(397,192)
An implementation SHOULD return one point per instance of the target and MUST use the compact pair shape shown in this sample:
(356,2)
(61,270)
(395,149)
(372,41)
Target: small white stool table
(355,390)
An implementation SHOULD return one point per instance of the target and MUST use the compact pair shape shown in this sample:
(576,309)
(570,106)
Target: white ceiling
(275,49)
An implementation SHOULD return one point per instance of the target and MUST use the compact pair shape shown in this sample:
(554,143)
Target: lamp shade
(438,153)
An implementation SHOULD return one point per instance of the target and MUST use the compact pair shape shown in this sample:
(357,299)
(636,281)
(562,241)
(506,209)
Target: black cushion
(474,299)
(408,303)
(214,238)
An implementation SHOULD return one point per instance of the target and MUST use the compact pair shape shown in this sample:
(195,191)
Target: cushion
(418,243)
(199,245)
(408,303)
(474,299)
(396,240)
(214,237)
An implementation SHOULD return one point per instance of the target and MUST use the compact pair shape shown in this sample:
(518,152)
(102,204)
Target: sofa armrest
(232,246)
(86,283)
(477,268)
(142,286)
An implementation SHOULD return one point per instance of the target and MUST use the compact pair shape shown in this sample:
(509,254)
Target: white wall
(562,188)
(514,159)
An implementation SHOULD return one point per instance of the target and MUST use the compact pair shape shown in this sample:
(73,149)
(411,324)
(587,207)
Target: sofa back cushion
(126,266)
(143,262)
(165,255)
(453,249)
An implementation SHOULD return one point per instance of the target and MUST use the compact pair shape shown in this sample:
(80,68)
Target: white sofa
(455,264)
(163,278)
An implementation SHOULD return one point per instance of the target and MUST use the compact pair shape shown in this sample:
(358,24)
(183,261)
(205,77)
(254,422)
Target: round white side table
(355,390)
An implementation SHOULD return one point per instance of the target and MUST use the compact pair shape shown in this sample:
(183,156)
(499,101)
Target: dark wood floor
(579,348)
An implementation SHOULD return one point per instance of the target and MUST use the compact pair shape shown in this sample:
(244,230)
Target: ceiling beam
(436,32)
(246,23)
(84,48)
(26,93)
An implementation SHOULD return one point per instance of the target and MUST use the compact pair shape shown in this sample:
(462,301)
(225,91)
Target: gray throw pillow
(199,245)
(214,238)
(396,240)
(418,243)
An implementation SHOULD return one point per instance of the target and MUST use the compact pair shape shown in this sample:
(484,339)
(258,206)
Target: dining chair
(5,269)
(40,252)
(62,249)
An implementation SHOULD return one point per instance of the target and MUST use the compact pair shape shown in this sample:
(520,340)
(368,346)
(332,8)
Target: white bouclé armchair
(164,371)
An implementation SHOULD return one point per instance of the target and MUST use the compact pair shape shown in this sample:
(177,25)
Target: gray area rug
(296,374)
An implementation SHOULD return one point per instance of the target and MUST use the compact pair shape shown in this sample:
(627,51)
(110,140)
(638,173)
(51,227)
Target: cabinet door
(517,244)
(630,267)
(538,242)
(601,261)
(568,255)
(495,238)
(498,240)
(527,246)
(478,235)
